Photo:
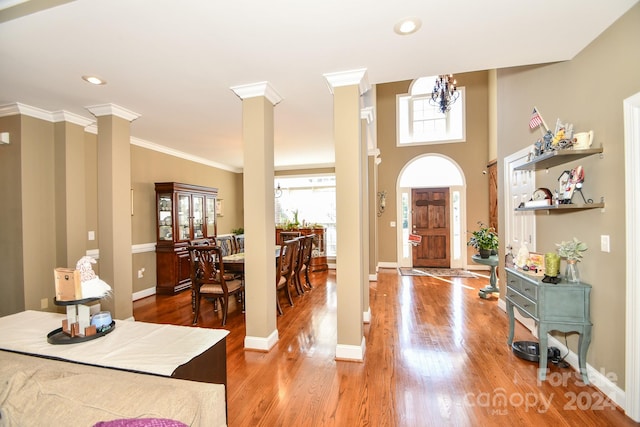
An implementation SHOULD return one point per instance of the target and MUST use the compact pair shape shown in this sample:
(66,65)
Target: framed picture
(536,264)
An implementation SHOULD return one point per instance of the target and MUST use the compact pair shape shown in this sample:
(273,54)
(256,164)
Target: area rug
(442,272)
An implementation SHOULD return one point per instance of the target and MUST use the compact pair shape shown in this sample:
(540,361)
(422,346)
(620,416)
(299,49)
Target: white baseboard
(373,277)
(598,379)
(366,316)
(351,352)
(382,264)
(144,293)
(261,343)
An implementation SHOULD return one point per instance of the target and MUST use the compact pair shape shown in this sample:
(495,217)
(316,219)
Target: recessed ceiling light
(407,26)
(94,80)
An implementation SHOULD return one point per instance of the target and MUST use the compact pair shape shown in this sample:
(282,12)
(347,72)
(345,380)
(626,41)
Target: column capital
(253,90)
(112,110)
(348,78)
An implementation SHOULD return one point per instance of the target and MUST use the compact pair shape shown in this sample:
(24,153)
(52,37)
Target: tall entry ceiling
(173,62)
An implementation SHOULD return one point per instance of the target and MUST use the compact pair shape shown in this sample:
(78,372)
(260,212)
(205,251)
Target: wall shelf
(563,207)
(557,157)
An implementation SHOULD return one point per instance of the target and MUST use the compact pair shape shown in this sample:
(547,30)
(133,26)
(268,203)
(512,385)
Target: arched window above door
(436,170)
(419,122)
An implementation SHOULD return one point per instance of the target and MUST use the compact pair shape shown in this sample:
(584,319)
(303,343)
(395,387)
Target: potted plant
(572,251)
(484,240)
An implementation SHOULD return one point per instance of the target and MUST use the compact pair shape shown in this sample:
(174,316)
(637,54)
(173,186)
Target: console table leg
(583,345)
(511,323)
(542,369)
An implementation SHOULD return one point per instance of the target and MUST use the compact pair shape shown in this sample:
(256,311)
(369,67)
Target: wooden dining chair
(226,244)
(200,242)
(239,242)
(208,279)
(288,235)
(306,250)
(296,265)
(284,271)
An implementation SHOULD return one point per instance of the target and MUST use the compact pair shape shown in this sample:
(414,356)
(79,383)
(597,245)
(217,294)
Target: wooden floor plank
(436,355)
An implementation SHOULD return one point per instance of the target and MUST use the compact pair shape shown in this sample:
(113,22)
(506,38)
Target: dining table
(238,258)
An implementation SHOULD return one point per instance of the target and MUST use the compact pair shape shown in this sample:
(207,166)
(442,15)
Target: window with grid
(420,122)
(310,199)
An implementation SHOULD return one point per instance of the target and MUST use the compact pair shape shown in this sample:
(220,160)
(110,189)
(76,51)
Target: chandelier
(445,93)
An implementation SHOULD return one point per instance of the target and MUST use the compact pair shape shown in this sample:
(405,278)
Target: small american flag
(535,120)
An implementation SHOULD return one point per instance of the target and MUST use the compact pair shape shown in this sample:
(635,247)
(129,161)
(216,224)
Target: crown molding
(39,113)
(254,90)
(92,128)
(368,114)
(348,78)
(26,110)
(112,110)
(180,154)
(306,166)
(65,116)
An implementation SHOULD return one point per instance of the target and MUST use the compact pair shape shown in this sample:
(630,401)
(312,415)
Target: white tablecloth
(145,347)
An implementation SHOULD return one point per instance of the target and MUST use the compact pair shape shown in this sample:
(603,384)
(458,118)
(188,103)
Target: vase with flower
(572,251)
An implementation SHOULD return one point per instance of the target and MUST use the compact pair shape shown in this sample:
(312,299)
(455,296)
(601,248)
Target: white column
(347,87)
(114,205)
(258,101)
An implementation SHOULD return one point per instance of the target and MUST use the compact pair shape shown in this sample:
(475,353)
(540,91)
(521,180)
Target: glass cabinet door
(165,222)
(184,213)
(211,217)
(198,217)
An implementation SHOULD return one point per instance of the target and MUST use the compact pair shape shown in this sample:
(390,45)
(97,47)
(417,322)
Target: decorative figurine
(547,141)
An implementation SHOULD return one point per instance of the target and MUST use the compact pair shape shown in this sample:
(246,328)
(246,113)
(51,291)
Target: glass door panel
(198,217)
(211,217)
(165,221)
(184,213)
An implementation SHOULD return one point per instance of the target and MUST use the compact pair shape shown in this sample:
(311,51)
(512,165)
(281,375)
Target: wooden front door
(430,216)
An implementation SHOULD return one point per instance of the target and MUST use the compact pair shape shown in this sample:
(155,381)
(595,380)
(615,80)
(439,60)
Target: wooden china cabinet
(183,212)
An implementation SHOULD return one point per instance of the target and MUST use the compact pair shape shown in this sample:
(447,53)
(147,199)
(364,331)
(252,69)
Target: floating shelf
(555,158)
(563,207)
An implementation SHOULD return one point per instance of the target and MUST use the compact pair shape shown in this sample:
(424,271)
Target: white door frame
(401,261)
(510,162)
(631,107)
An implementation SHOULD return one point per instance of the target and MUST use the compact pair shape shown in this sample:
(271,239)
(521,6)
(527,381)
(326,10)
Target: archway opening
(432,171)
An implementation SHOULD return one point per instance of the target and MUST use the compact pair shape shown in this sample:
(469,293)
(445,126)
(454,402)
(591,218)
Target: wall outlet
(92,235)
(141,273)
(392,224)
(44,303)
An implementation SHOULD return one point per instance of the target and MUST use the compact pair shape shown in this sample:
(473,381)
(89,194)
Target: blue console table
(563,307)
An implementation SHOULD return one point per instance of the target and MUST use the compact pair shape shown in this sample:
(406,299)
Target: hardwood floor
(436,355)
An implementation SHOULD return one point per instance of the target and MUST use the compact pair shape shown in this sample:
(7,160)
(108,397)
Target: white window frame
(404,120)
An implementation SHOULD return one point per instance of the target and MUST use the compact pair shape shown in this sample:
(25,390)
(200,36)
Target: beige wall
(587,91)
(11,256)
(149,167)
(472,155)
(39,211)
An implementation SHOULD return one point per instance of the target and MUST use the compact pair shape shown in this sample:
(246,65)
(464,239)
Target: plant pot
(485,253)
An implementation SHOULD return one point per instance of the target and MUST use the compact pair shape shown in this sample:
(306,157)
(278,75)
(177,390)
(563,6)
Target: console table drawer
(523,286)
(522,302)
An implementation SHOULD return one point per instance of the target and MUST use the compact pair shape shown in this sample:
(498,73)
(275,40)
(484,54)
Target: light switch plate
(604,243)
